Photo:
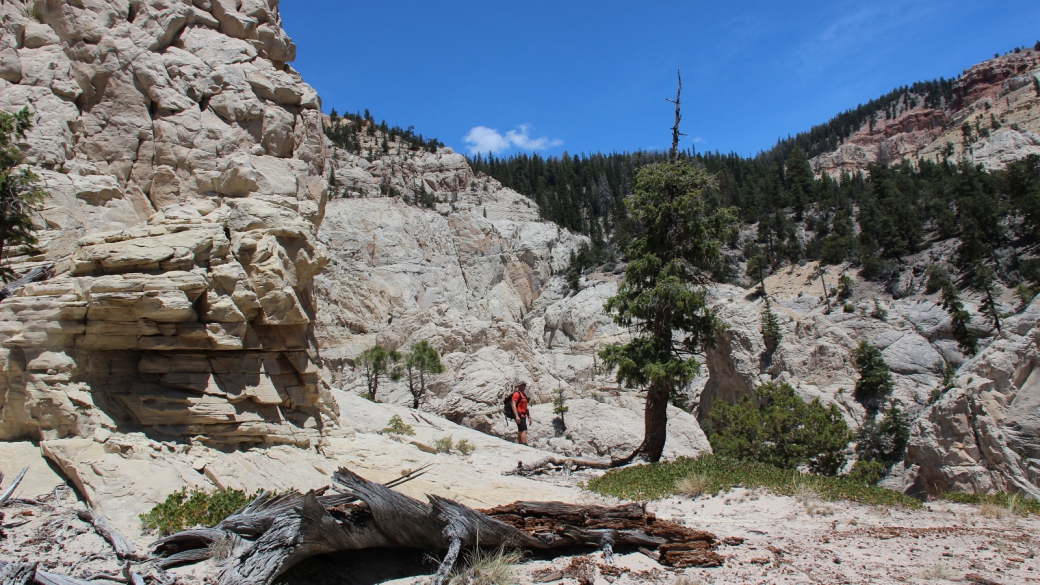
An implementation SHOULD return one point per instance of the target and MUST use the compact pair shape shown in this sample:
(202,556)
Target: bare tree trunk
(655,420)
(678,118)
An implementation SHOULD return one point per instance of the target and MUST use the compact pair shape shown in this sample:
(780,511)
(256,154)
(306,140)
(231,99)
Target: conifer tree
(20,195)
(960,318)
(771,333)
(662,296)
(985,283)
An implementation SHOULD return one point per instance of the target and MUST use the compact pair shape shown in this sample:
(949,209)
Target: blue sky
(592,76)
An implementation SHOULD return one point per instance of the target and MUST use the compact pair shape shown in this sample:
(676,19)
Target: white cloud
(482,139)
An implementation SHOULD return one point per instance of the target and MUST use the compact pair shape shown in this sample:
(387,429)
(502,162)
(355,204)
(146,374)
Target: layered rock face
(996,98)
(186,167)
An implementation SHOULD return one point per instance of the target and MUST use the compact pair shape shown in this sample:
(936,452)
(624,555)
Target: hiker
(520,412)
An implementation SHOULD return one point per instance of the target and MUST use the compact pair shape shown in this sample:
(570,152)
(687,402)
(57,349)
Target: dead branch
(271,535)
(10,489)
(123,547)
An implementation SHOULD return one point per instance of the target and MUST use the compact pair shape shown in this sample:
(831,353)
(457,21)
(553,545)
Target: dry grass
(687,580)
(222,548)
(693,486)
(805,493)
(494,567)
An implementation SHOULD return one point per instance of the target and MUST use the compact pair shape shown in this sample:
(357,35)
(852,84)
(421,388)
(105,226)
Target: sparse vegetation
(186,509)
(879,312)
(1011,503)
(396,426)
(659,480)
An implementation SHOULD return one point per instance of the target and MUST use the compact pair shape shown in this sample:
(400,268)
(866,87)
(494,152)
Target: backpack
(508,406)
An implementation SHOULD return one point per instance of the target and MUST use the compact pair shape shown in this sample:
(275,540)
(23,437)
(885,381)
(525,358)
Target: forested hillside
(873,217)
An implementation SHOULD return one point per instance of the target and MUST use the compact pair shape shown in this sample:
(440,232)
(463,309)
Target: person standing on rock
(520,412)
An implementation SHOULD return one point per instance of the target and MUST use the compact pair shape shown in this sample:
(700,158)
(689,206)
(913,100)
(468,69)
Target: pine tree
(375,364)
(985,283)
(661,295)
(20,195)
(771,332)
(960,318)
(421,361)
(875,378)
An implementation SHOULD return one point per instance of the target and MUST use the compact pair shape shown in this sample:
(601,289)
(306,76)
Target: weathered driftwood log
(568,463)
(266,538)
(124,548)
(29,574)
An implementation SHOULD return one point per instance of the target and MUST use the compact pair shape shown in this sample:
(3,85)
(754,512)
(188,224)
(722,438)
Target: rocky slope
(478,275)
(977,435)
(997,99)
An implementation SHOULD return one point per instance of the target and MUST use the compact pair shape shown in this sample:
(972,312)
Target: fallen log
(124,548)
(272,534)
(567,463)
(10,489)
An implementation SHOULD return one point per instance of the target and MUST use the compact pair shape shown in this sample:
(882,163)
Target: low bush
(784,431)
(660,480)
(182,510)
(444,444)
(396,426)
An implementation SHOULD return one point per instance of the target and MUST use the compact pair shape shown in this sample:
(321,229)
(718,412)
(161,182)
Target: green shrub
(396,426)
(967,338)
(465,447)
(844,287)
(784,431)
(1025,295)
(868,472)
(182,510)
(444,444)
(875,379)
(848,308)
(936,278)
(879,312)
(660,480)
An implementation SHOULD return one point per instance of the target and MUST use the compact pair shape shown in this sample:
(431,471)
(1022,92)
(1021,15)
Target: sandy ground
(785,540)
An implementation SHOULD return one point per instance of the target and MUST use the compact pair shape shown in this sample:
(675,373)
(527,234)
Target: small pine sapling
(771,332)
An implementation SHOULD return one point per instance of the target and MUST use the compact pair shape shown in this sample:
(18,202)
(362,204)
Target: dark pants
(521,424)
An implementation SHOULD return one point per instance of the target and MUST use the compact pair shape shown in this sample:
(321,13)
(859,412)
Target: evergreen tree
(985,283)
(875,379)
(421,361)
(960,318)
(771,333)
(661,296)
(20,195)
(375,363)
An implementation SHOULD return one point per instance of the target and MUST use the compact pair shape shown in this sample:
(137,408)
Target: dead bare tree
(272,534)
(678,118)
